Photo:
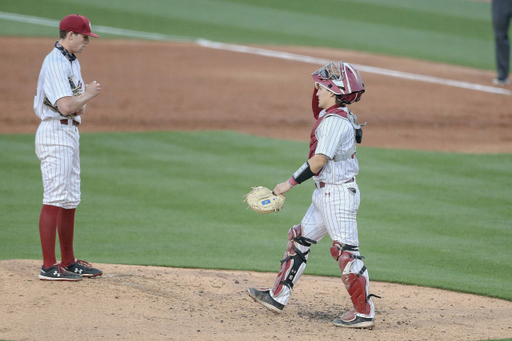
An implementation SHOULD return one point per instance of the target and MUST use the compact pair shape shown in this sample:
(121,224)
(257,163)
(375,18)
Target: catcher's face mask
(342,79)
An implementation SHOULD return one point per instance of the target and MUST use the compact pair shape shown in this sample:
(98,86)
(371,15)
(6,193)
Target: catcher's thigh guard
(355,283)
(294,259)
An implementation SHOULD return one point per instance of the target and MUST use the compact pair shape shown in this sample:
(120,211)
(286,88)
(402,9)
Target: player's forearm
(81,111)
(71,105)
(308,169)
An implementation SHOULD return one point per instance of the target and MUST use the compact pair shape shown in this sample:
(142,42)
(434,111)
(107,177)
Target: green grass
(451,31)
(175,199)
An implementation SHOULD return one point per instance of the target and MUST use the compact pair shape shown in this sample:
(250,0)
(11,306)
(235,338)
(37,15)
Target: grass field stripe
(29,19)
(96,28)
(258,51)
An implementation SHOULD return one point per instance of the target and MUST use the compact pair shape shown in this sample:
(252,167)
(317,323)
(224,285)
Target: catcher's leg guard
(294,260)
(355,283)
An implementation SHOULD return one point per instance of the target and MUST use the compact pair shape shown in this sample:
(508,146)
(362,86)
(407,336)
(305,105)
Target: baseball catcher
(333,166)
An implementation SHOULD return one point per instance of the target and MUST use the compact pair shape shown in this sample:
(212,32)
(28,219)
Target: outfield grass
(451,31)
(175,199)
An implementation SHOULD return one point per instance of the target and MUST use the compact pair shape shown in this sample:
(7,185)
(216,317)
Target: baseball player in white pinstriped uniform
(333,165)
(60,101)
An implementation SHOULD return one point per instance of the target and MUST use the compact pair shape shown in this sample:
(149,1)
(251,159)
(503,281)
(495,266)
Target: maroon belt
(322,184)
(75,123)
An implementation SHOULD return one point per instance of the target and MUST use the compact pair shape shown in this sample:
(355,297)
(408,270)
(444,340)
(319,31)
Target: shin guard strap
(300,258)
(304,241)
(361,272)
(298,253)
(290,266)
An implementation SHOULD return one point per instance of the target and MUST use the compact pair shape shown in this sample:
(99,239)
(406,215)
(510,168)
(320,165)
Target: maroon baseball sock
(47,232)
(66,227)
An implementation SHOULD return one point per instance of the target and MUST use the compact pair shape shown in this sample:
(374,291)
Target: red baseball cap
(77,24)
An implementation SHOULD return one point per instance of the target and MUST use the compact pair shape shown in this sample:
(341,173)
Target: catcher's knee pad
(294,260)
(355,283)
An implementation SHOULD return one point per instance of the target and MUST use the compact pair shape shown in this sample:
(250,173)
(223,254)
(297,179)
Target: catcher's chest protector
(313,142)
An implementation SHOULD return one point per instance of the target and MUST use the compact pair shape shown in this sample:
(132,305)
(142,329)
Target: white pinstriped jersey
(54,83)
(57,144)
(335,136)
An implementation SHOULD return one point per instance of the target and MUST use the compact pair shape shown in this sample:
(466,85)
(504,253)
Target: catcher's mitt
(263,200)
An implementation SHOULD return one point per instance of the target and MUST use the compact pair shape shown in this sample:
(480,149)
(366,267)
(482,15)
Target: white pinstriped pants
(333,211)
(57,147)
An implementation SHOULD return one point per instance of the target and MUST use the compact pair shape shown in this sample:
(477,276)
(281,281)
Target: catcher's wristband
(292,181)
(303,173)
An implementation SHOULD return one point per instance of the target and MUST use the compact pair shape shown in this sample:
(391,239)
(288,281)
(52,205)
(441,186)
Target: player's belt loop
(66,122)
(320,184)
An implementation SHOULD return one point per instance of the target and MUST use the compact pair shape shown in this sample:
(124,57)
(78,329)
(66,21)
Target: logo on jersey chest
(77,89)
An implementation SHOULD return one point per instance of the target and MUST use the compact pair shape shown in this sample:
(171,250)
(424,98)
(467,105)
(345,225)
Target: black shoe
(351,320)
(264,298)
(58,273)
(83,268)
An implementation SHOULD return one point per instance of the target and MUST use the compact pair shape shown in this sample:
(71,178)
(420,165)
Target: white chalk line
(258,51)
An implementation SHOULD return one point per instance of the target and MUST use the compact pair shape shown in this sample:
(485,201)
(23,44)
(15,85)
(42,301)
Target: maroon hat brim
(91,35)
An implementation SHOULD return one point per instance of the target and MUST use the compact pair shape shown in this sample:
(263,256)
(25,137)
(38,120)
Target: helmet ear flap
(350,98)
(341,99)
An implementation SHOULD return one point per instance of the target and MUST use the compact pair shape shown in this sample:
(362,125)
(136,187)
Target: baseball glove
(263,200)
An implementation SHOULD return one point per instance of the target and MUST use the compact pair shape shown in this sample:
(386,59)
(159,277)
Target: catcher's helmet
(343,80)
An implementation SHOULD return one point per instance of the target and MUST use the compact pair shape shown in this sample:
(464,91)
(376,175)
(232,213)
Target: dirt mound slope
(157,303)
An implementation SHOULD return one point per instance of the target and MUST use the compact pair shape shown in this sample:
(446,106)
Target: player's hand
(92,89)
(281,188)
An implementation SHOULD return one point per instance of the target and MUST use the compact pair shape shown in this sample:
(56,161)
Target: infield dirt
(181,86)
